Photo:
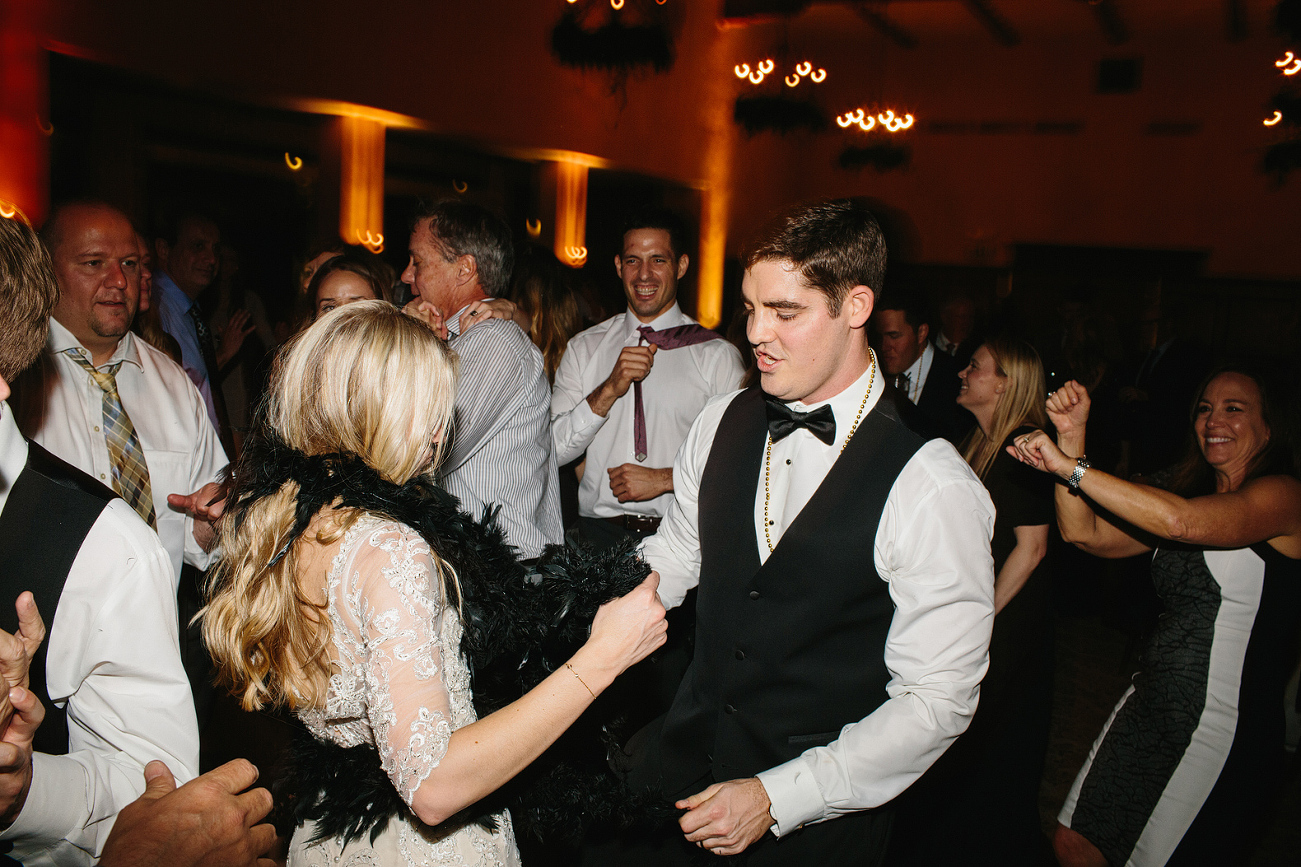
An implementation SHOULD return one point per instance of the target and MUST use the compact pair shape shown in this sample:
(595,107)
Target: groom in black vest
(845,581)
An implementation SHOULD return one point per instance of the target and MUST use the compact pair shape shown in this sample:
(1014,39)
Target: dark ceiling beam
(1109,19)
(998,26)
(874,14)
(1235,20)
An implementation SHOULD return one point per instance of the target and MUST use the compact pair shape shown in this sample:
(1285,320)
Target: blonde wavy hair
(366,380)
(1021,403)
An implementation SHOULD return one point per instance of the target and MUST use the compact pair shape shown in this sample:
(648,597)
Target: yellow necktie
(130,472)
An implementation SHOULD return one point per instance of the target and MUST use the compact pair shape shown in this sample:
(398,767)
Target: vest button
(740,654)
(729,709)
(754,594)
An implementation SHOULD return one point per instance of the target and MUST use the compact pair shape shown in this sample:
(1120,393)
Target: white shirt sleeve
(208,461)
(573,423)
(674,551)
(932,547)
(114,658)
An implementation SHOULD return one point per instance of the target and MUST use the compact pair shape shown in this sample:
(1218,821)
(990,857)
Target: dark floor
(1094,662)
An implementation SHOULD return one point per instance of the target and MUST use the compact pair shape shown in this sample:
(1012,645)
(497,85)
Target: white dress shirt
(679,385)
(917,373)
(500,450)
(114,660)
(931,547)
(58,405)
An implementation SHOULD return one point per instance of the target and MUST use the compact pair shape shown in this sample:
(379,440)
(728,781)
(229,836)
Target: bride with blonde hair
(349,617)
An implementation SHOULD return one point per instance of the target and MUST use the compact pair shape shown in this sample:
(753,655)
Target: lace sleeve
(399,606)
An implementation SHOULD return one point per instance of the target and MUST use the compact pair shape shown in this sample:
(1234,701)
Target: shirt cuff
(56,802)
(584,421)
(795,796)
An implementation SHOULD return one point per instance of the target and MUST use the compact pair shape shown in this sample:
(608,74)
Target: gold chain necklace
(767,460)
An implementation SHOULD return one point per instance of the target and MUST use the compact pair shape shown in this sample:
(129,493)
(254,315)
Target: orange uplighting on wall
(24,143)
(361,193)
(571,213)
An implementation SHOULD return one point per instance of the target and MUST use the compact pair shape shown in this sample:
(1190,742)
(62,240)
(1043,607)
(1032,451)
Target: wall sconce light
(1273,121)
(294,163)
(1290,64)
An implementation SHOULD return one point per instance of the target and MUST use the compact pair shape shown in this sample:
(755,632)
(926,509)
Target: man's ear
(618,265)
(467,269)
(923,332)
(683,262)
(858,305)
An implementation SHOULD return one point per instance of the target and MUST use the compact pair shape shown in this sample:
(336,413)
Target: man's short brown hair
(835,245)
(28,292)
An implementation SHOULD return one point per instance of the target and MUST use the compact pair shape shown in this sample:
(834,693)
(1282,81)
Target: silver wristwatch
(1081,464)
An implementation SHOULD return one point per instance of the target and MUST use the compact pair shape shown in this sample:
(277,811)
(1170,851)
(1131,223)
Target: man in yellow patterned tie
(110,404)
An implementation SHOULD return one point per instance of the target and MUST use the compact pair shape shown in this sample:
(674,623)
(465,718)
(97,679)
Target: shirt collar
(845,406)
(453,322)
(923,362)
(165,285)
(669,318)
(61,340)
(13,452)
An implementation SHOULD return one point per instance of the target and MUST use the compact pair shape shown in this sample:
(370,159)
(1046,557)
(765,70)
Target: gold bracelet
(580,680)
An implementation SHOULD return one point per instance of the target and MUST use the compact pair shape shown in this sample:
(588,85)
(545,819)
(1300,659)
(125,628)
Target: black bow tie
(782,421)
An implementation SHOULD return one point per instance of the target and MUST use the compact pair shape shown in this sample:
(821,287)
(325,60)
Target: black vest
(51,507)
(790,651)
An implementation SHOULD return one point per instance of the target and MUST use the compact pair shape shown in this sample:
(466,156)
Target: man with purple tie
(628,389)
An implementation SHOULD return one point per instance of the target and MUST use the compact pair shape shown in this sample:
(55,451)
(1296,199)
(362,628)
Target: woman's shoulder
(376,531)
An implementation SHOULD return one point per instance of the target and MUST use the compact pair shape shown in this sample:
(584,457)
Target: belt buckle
(640,523)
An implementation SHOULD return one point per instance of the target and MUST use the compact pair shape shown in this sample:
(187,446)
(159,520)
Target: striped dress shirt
(500,447)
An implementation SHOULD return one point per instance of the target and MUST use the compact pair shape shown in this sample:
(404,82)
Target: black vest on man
(50,510)
(790,651)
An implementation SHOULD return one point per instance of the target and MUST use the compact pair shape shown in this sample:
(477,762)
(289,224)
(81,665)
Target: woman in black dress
(979,801)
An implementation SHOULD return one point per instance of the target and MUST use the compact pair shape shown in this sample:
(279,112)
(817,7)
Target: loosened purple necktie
(665,338)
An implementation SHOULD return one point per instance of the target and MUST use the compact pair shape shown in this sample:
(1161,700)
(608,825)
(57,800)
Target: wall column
(24,112)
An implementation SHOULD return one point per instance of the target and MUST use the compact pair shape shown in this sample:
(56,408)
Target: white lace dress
(401,685)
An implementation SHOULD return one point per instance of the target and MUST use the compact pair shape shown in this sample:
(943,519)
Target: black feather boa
(521,623)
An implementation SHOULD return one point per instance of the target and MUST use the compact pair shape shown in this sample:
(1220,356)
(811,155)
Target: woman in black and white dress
(1184,767)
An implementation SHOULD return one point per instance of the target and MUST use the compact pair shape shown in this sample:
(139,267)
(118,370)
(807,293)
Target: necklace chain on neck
(767,459)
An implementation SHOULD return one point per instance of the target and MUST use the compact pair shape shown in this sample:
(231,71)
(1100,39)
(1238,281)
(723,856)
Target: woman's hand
(492,308)
(419,308)
(1039,451)
(630,628)
(1068,409)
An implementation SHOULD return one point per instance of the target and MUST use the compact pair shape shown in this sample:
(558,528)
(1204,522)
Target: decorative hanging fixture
(887,120)
(626,35)
(1290,64)
(765,67)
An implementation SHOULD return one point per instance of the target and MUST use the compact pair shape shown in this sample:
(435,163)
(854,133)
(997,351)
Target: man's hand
(419,308)
(205,823)
(632,483)
(727,817)
(237,328)
(16,651)
(205,506)
(16,751)
(633,365)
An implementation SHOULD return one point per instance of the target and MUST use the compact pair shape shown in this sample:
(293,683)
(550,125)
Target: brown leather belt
(636,523)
